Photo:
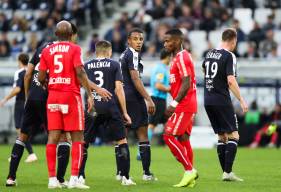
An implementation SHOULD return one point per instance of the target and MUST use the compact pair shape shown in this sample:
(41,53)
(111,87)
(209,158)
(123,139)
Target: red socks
(188,150)
(76,154)
(51,154)
(178,151)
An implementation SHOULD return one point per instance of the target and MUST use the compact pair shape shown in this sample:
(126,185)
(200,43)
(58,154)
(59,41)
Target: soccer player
(34,115)
(106,73)
(137,98)
(183,107)
(64,105)
(160,86)
(18,91)
(220,70)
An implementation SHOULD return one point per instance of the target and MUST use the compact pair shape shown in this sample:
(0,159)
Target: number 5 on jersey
(58,64)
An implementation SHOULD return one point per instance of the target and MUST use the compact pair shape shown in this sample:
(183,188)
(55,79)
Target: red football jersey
(182,66)
(60,59)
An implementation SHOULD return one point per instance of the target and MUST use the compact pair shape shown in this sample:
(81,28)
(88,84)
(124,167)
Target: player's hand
(150,107)
(244,105)
(127,119)
(106,95)
(90,101)
(169,111)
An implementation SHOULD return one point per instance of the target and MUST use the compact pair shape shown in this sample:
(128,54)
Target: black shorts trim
(222,117)
(159,116)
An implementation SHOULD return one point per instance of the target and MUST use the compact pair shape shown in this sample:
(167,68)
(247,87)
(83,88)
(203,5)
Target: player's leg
(51,155)
(90,132)
(221,147)
(185,142)
(177,127)
(76,157)
(150,131)
(63,153)
(16,156)
(19,145)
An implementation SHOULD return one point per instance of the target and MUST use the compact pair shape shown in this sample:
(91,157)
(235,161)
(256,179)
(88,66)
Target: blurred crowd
(153,16)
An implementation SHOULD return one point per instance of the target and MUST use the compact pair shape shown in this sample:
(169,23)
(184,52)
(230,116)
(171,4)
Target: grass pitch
(260,168)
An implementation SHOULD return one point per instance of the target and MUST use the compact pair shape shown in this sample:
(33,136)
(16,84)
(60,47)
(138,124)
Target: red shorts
(65,111)
(179,123)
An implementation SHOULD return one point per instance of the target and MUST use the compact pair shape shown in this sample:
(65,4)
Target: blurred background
(26,24)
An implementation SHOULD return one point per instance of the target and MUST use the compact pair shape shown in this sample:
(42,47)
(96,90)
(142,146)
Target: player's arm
(42,75)
(13,93)
(119,91)
(232,83)
(27,78)
(141,89)
(105,94)
(82,76)
(162,87)
(234,88)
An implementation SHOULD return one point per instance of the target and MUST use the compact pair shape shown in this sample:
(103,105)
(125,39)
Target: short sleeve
(184,64)
(231,65)
(118,73)
(133,60)
(20,80)
(43,63)
(16,77)
(35,59)
(77,57)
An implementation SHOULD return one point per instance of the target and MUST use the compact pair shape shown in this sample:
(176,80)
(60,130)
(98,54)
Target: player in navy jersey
(106,73)
(18,91)
(137,97)
(220,71)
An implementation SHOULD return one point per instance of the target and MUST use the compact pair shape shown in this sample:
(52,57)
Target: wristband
(174,103)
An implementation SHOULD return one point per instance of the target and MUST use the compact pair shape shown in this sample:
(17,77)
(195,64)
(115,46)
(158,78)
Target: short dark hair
(103,45)
(229,34)
(23,58)
(175,32)
(135,30)
(74,28)
(164,54)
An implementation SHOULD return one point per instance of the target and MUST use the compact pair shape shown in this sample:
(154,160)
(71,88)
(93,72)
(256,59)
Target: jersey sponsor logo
(96,96)
(59,80)
(58,108)
(59,48)
(35,80)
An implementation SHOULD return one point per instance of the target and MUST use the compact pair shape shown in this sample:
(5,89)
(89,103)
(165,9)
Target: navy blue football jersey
(19,82)
(36,92)
(217,65)
(130,60)
(104,72)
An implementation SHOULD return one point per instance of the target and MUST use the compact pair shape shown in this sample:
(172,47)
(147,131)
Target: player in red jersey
(64,106)
(182,109)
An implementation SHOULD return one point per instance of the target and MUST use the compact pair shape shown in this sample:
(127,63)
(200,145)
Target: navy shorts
(223,118)
(138,112)
(159,117)
(34,117)
(107,121)
(18,113)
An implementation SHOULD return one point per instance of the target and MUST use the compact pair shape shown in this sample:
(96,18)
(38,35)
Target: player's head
(23,59)
(63,31)
(74,33)
(173,40)
(103,49)
(165,56)
(229,38)
(135,39)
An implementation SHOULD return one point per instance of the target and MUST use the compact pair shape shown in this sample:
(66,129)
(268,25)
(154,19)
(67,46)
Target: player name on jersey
(59,48)
(98,64)
(212,55)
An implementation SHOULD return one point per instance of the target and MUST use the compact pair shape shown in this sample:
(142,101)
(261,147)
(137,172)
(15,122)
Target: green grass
(261,170)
